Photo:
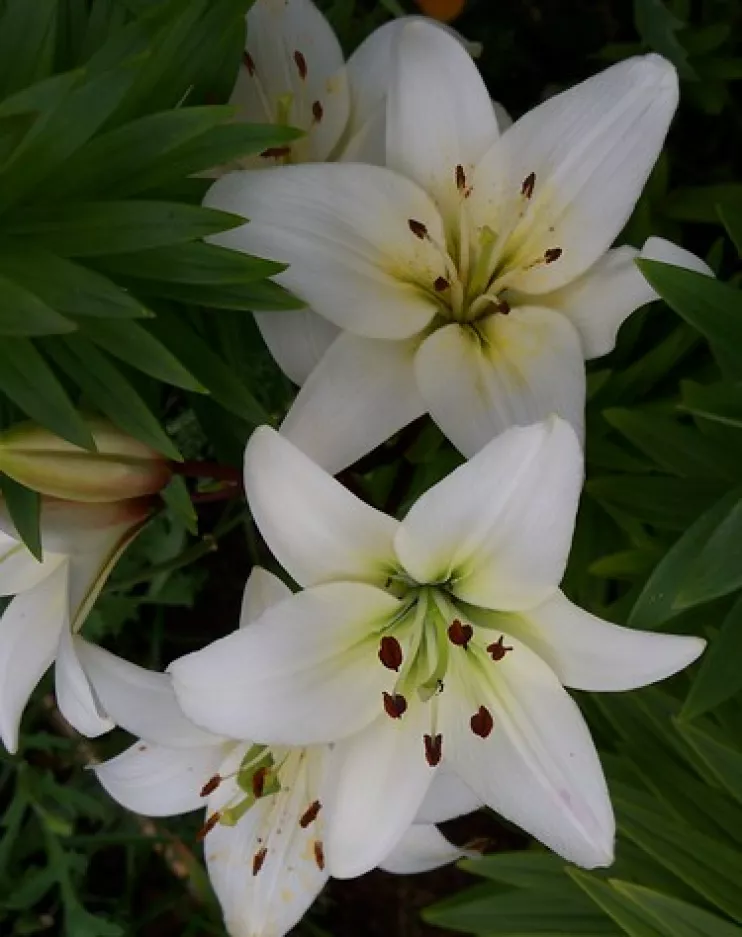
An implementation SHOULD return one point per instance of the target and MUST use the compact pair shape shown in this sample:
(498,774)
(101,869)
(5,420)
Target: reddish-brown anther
(211,785)
(390,652)
(249,63)
(440,284)
(258,859)
(482,722)
(529,184)
(498,650)
(433,749)
(276,152)
(310,814)
(211,822)
(258,782)
(301,64)
(317,111)
(459,634)
(319,855)
(503,307)
(460,178)
(395,705)
(417,228)
(552,254)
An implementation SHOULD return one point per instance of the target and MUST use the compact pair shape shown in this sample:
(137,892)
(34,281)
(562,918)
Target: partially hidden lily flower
(472,275)
(442,639)
(266,807)
(52,598)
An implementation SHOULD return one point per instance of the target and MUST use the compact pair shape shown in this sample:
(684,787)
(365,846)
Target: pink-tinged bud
(121,468)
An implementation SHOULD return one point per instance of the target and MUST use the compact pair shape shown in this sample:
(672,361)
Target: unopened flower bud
(121,468)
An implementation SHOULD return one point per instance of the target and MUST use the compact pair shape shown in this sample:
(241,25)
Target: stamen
(503,307)
(258,859)
(418,228)
(317,111)
(441,284)
(461,179)
(395,705)
(529,183)
(258,782)
(482,722)
(459,634)
(301,64)
(552,254)
(433,749)
(390,653)
(211,822)
(319,855)
(249,63)
(211,785)
(498,650)
(310,814)
(276,152)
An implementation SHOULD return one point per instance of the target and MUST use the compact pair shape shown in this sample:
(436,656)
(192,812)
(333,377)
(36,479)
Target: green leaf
(110,391)
(656,603)
(262,295)
(724,761)
(657,26)
(676,918)
(721,403)
(698,203)
(93,229)
(23,313)
(133,344)
(628,918)
(670,503)
(717,569)
(31,384)
(27,34)
(535,870)
(731,217)
(176,497)
(24,507)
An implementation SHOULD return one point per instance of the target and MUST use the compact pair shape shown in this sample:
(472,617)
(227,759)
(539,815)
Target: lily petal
(511,371)
(538,767)
(29,636)
(381,778)
(159,781)
(361,393)
(422,848)
(263,590)
(448,797)
(75,696)
(19,568)
(499,527)
(315,527)
(297,339)
(668,253)
(344,229)
(304,672)
(591,150)
(588,653)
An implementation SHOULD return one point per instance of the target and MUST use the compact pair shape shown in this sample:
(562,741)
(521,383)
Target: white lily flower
(81,544)
(472,275)
(266,807)
(441,638)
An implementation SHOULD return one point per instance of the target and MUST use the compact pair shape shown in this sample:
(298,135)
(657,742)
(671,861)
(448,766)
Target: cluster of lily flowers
(452,263)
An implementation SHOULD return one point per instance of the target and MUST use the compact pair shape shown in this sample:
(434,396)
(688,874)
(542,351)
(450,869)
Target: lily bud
(121,468)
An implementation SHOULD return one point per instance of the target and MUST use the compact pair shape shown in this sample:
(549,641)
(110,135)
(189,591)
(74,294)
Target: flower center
(479,265)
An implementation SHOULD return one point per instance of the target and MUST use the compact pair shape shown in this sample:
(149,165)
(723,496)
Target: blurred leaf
(262,295)
(629,918)
(24,507)
(657,25)
(670,503)
(675,918)
(541,870)
(721,403)
(720,675)
(717,569)
(724,761)
(27,32)
(178,500)
(731,216)
(698,203)
(23,313)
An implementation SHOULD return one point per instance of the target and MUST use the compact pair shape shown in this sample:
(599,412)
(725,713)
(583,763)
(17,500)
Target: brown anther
(482,722)
(529,183)
(310,814)
(301,64)
(211,785)
(395,705)
(258,782)
(552,254)
(433,749)
(441,284)
(418,229)
(460,178)
(276,152)
(211,822)
(258,859)
(317,111)
(503,307)
(390,653)
(319,855)
(249,63)
(459,634)
(498,650)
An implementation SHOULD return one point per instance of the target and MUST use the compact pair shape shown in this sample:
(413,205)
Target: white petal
(344,229)
(422,848)
(75,697)
(297,339)
(500,526)
(315,527)
(306,671)
(158,781)
(439,112)
(270,902)
(381,778)
(263,590)
(361,393)
(141,701)
(448,797)
(588,653)
(591,150)
(668,253)
(29,635)
(19,568)
(512,371)
(276,31)
(538,767)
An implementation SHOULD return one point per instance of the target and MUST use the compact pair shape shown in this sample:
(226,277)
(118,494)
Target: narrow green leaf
(657,25)
(676,918)
(717,570)
(670,503)
(27,34)
(31,384)
(178,500)
(133,344)
(93,229)
(724,761)
(24,507)
(721,403)
(731,217)
(24,313)
(628,918)
(698,203)
(543,871)
(263,295)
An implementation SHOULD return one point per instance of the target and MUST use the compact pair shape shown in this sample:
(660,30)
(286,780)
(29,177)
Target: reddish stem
(213,470)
